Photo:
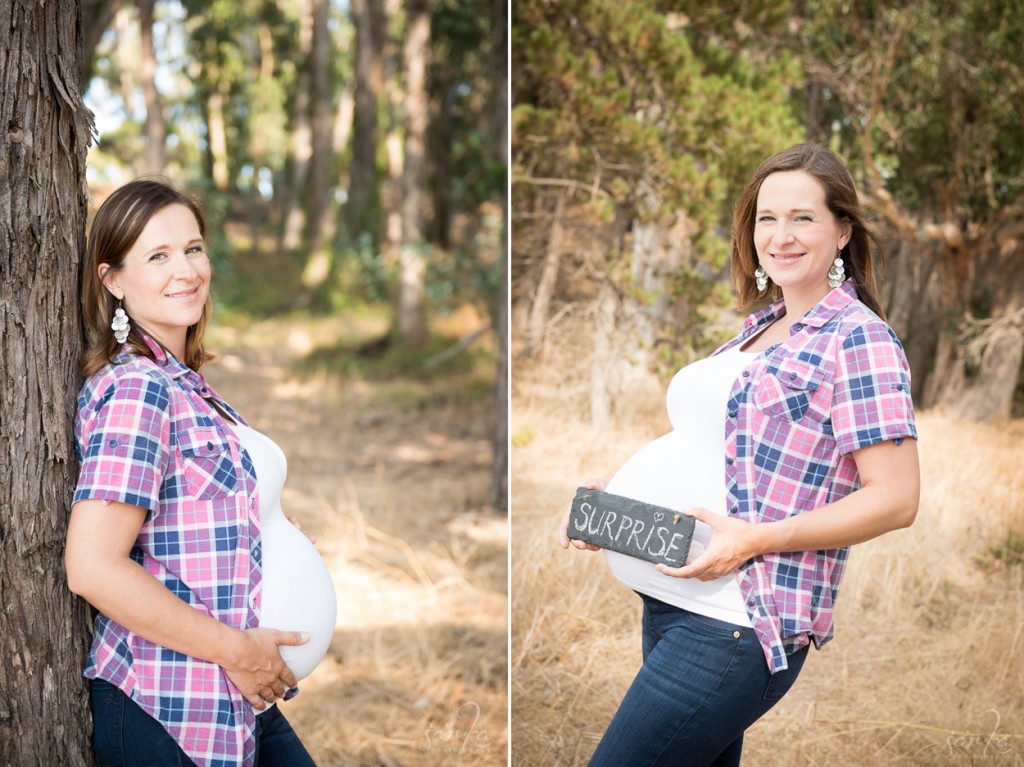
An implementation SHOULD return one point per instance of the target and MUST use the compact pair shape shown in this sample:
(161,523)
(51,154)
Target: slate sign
(630,527)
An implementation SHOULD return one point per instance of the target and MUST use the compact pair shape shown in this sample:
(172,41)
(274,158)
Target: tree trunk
(125,53)
(988,393)
(541,304)
(318,264)
(813,125)
(153,129)
(991,342)
(44,715)
(341,134)
(393,191)
(363,203)
(410,314)
(391,194)
(301,143)
(342,131)
(649,311)
(603,383)
(440,139)
(97,15)
(217,144)
(910,307)
(500,467)
(955,273)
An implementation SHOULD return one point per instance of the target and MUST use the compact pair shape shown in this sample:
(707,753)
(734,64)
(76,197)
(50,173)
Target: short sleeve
(124,442)
(871,401)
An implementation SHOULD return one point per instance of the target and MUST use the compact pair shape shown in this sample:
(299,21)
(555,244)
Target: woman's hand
(563,531)
(256,668)
(732,544)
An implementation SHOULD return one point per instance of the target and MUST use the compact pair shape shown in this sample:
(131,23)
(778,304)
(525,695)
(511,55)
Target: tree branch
(564,182)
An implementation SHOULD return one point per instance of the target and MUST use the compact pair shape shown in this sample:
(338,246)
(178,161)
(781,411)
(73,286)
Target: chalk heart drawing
(658,516)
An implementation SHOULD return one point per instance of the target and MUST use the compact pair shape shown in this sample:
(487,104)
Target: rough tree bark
(410,325)
(44,132)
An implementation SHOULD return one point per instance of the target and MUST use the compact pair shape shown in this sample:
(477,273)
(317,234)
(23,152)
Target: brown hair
(115,229)
(841,199)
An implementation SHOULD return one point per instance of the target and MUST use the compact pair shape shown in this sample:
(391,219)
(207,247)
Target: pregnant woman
(176,534)
(793,441)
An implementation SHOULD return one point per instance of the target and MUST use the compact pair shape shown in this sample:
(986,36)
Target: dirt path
(393,483)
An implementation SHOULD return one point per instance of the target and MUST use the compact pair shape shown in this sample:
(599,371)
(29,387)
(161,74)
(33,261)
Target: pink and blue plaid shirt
(794,417)
(146,435)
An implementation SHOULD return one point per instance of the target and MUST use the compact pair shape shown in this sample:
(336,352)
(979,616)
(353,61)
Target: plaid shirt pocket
(209,468)
(786,389)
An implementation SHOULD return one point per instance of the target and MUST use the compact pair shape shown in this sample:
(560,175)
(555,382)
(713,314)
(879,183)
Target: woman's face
(796,236)
(165,277)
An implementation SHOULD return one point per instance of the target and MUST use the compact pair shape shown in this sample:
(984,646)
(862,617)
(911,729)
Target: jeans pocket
(107,704)
(779,684)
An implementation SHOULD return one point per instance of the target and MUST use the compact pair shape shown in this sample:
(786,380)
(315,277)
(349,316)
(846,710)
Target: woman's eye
(158,257)
(195,249)
(764,219)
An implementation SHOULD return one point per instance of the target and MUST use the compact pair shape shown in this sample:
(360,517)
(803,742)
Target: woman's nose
(183,267)
(781,233)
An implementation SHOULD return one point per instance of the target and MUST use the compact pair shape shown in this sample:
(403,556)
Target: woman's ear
(109,280)
(845,235)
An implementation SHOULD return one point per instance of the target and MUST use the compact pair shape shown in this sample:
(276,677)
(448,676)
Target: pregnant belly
(298,593)
(674,472)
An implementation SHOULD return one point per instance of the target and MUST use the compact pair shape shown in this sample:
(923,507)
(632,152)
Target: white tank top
(683,469)
(298,591)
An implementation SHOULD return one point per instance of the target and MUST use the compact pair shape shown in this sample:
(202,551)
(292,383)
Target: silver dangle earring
(761,278)
(120,324)
(836,274)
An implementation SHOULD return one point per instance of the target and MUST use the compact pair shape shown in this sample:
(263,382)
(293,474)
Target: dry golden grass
(927,667)
(395,494)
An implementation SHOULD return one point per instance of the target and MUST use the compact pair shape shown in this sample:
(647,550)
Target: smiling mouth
(184,293)
(786,256)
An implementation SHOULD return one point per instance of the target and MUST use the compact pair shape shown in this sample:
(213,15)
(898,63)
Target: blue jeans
(126,736)
(702,683)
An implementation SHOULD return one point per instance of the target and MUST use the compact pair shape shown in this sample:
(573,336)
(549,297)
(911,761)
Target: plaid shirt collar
(832,304)
(171,365)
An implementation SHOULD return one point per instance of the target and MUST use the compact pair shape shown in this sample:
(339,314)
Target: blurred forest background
(634,125)
(352,157)
(351,154)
